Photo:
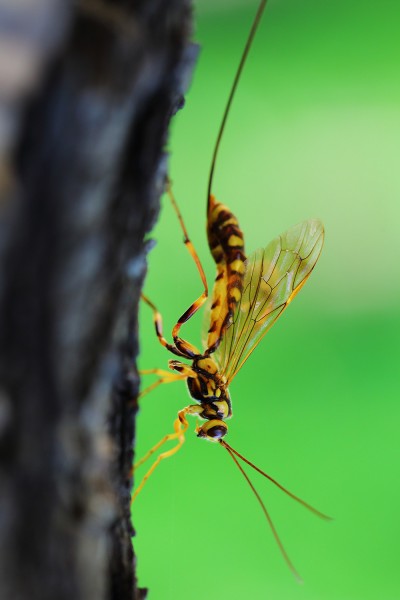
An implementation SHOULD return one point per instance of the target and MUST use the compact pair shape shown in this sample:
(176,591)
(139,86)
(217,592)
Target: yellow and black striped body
(209,389)
(226,243)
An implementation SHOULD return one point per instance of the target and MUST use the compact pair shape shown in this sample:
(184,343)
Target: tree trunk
(86,93)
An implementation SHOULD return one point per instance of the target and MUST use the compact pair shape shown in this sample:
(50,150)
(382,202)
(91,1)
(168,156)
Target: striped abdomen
(225,239)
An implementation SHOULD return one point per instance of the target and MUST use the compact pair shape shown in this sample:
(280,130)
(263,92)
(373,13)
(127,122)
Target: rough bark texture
(86,93)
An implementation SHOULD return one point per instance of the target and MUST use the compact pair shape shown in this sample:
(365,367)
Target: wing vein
(272,278)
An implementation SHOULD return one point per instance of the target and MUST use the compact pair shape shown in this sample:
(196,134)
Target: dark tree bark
(86,93)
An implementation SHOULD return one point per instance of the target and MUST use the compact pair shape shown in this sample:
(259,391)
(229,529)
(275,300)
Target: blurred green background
(314,132)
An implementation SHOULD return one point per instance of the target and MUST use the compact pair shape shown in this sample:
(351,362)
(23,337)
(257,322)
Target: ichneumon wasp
(249,295)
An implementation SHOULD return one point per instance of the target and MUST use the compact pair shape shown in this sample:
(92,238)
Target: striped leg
(180,347)
(181,344)
(185,349)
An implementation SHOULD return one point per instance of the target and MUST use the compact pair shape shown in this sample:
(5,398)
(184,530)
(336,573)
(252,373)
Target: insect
(248,296)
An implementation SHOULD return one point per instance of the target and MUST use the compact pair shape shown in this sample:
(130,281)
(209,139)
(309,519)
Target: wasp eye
(217,431)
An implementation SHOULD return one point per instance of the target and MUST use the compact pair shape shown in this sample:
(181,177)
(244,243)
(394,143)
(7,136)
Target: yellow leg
(181,344)
(185,349)
(186,239)
(180,427)
(165,377)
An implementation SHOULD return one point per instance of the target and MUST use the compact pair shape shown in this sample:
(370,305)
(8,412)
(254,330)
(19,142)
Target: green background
(314,132)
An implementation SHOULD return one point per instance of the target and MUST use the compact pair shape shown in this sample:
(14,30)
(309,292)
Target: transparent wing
(272,279)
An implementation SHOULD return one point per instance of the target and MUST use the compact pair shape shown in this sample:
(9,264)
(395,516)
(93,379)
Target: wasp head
(212,430)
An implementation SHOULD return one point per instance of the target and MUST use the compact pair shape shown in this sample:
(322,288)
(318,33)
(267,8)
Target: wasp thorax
(216,409)
(213,430)
(207,364)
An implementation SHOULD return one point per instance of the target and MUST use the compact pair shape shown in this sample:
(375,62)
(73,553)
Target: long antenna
(266,513)
(253,30)
(316,512)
